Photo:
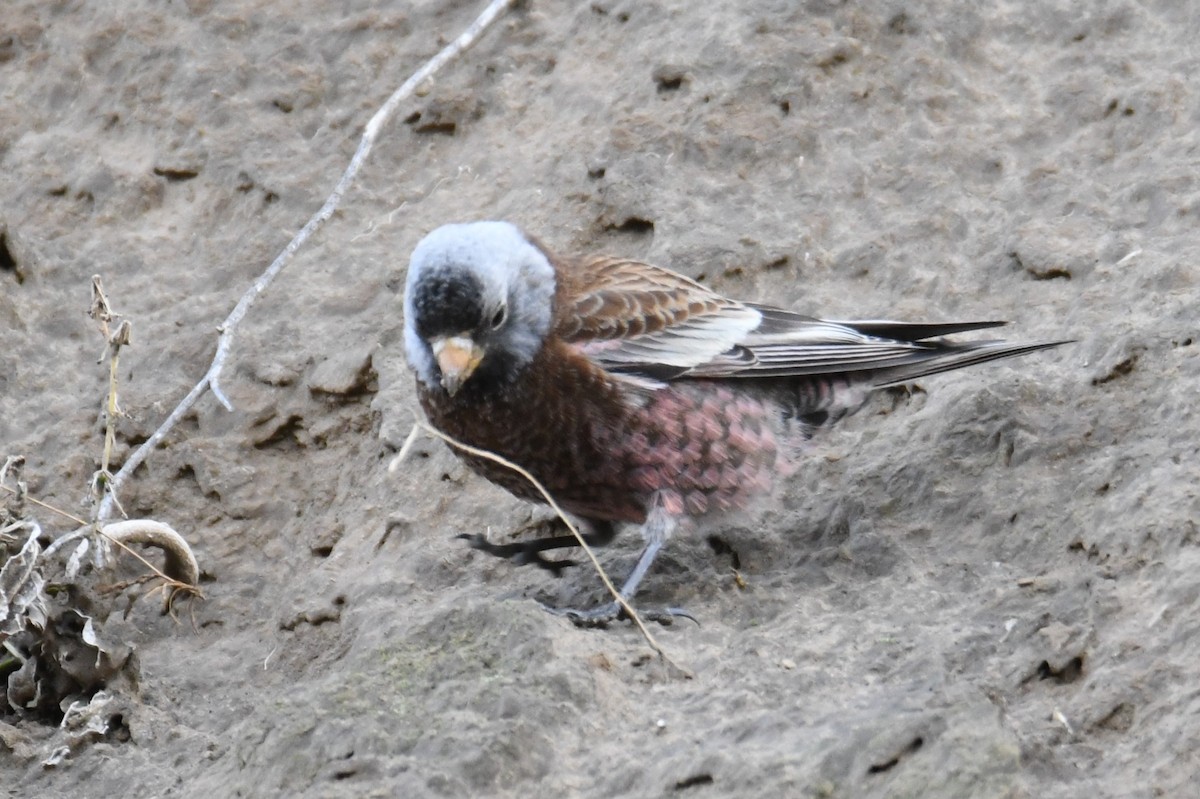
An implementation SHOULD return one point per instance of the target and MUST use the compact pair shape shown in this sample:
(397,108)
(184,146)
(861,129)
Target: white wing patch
(683,346)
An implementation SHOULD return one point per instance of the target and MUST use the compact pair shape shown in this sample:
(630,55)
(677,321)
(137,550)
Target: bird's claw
(667,616)
(520,553)
(605,615)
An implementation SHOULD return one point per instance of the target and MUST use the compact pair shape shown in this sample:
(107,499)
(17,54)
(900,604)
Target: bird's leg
(657,529)
(523,552)
(605,614)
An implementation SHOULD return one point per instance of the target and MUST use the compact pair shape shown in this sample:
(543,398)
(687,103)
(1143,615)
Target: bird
(634,394)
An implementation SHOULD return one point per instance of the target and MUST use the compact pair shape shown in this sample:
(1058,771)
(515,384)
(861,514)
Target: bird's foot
(520,552)
(605,615)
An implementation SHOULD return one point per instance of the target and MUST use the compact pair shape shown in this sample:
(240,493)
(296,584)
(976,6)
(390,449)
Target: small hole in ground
(633,225)
(1069,672)
(692,782)
(8,263)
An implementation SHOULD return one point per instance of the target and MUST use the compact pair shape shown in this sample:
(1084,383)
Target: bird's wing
(881,352)
(635,318)
(640,320)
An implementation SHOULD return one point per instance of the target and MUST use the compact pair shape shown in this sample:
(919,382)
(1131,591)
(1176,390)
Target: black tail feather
(956,356)
(911,331)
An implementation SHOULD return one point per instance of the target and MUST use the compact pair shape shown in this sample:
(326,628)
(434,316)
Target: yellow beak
(457,357)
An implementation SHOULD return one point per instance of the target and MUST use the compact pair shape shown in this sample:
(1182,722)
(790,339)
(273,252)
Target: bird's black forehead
(447,302)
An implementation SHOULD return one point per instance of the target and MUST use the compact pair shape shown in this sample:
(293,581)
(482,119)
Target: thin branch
(612,589)
(225,342)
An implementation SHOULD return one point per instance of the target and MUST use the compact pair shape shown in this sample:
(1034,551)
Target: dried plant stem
(102,312)
(180,564)
(210,381)
(612,589)
(103,481)
(180,574)
(110,412)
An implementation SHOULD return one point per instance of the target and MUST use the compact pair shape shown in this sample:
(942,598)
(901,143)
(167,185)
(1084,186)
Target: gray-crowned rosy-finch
(632,393)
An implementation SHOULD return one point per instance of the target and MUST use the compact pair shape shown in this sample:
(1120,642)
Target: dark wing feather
(775,319)
(788,344)
(637,319)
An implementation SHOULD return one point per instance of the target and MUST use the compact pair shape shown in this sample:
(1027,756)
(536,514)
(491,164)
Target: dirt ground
(986,587)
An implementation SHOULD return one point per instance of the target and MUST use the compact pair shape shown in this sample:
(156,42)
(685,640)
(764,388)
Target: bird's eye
(500,317)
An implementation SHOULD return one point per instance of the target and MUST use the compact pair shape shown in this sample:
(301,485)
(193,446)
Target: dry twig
(225,342)
(102,312)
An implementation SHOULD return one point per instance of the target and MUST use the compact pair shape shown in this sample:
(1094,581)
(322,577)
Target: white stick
(225,342)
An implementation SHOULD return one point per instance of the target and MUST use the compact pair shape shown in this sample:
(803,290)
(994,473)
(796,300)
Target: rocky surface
(985,587)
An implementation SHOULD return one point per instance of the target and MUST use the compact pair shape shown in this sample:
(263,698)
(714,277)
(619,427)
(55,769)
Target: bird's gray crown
(465,278)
